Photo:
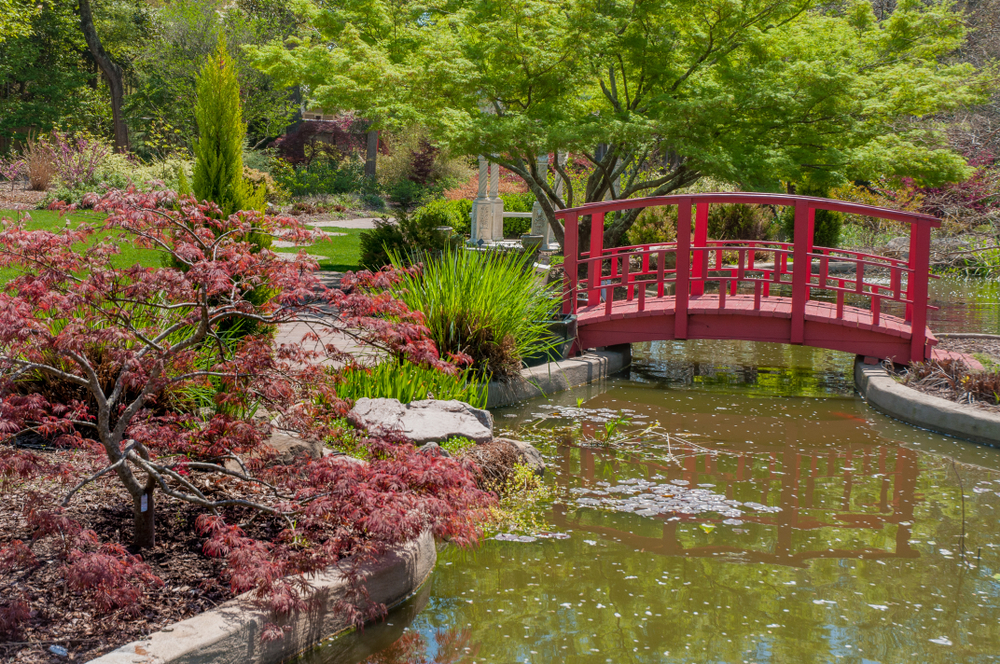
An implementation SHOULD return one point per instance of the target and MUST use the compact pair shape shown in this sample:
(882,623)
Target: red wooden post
(800,271)
(683,267)
(595,265)
(920,261)
(700,240)
(570,256)
(812,229)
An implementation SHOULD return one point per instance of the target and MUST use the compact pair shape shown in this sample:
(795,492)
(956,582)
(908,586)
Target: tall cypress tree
(218,168)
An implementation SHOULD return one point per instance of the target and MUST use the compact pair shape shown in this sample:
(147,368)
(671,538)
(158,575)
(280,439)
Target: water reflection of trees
(450,646)
(751,367)
(782,590)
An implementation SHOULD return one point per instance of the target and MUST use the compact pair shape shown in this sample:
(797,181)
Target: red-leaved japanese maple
(119,363)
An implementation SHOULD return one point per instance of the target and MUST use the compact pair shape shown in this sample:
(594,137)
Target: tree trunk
(112,72)
(371,156)
(144,516)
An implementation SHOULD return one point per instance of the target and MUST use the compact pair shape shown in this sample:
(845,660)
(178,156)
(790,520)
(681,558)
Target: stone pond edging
(230,634)
(553,377)
(903,403)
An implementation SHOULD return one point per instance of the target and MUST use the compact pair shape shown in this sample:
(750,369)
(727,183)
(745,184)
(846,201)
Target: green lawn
(341,253)
(46,220)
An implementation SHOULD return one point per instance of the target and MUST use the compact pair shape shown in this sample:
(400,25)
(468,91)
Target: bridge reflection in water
(855,486)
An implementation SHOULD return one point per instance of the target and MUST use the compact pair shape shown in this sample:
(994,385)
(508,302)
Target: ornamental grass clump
(408,382)
(488,305)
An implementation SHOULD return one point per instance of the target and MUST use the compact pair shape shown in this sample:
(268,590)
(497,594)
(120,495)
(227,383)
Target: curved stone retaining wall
(554,377)
(896,400)
(231,633)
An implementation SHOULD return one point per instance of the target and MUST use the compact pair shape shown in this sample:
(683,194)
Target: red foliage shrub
(112,577)
(422,162)
(971,202)
(132,345)
(332,139)
(13,613)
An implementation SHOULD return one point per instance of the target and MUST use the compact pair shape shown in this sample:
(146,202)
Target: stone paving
(360,223)
(327,331)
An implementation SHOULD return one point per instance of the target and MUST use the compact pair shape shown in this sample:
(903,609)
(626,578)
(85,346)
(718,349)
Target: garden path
(361,223)
(295,333)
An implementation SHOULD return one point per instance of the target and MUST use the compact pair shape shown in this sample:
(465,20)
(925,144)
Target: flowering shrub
(968,204)
(13,170)
(157,393)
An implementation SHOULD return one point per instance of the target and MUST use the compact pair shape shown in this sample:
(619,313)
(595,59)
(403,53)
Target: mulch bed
(968,346)
(21,198)
(65,618)
(988,347)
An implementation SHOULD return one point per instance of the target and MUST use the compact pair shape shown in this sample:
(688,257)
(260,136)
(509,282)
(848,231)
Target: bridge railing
(682,269)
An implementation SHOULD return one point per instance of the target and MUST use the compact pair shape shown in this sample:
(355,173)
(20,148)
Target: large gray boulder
(427,421)
(496,460)
(530,457)
(289,446)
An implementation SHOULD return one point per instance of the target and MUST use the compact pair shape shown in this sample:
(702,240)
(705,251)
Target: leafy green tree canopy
(653,94)
(15,18)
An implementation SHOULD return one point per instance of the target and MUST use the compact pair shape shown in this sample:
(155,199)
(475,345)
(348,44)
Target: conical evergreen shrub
(218,167)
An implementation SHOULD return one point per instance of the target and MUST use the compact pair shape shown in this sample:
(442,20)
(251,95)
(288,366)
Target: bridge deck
(771,307)
(737,317)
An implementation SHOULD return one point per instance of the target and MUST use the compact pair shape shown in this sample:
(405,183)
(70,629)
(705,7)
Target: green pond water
(781,521)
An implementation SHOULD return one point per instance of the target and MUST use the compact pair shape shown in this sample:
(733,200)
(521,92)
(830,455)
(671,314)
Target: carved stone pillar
(496,202)
(539,223)
(484,207)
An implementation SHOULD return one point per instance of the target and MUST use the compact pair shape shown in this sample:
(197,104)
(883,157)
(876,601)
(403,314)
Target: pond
(754,509)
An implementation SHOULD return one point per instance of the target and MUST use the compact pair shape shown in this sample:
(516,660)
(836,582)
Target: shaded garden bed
(62,617)
(954,381)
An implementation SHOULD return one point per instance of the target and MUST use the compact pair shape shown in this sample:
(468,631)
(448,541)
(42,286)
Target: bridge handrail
(763,246)
(752,198)
(692,269)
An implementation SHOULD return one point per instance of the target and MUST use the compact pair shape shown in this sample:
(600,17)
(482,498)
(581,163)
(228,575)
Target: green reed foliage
(409,382)
(487,304)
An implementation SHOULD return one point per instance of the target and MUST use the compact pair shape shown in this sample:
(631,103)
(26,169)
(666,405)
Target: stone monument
(539,224)
(487,209)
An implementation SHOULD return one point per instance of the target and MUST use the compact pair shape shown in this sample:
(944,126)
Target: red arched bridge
(784,292)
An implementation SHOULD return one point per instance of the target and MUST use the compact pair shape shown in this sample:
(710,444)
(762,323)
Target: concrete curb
(558,376)
(231,633)
(913,407)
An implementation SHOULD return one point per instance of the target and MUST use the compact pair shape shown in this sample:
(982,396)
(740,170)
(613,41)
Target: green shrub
(218,166)
(739,222)
(408,382)
(260,160)
(273,193)
(654,225)
(516,226)
(522,202)
(411,238)
(378,242)
(321,177)
(372,201)
(487,304)
(408,194)
(447,213)
(826,231)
